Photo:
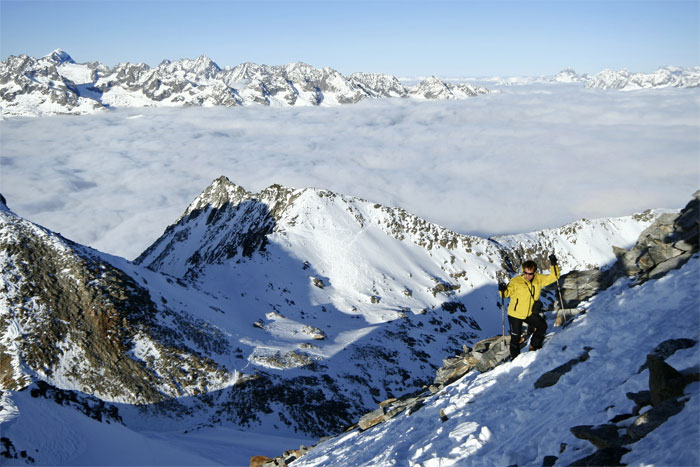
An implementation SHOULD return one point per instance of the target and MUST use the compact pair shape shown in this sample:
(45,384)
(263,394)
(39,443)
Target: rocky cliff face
(72,319)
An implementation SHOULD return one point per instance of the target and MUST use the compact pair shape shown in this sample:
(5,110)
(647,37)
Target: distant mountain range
(56,84)
(623,80)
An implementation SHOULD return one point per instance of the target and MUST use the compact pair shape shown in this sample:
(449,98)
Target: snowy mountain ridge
(289,312)
(664,77)
(623,80)
(56,84)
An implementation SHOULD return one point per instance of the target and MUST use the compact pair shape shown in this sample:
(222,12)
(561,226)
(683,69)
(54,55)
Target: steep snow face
(365,263)
(500,418)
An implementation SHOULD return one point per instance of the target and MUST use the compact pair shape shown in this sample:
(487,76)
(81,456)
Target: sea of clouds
(527,158)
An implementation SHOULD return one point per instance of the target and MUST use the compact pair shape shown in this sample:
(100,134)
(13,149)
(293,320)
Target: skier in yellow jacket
(524,293)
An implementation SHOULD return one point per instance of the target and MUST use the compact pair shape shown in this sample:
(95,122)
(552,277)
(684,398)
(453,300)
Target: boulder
(652,419)
(497,351)
(668,348)
(665,245)
(578,286)
(665,382)
(259,461)
(602,436)
(452,370)
(641,399)
(373,418)
(565,315)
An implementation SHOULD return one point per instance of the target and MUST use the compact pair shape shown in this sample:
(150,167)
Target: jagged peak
(220,192)
(59,56)
(3,203)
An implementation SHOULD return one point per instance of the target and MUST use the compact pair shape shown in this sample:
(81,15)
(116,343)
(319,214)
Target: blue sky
(404,38)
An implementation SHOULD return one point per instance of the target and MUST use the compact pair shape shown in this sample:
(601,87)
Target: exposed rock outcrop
(665,245)
(666,395)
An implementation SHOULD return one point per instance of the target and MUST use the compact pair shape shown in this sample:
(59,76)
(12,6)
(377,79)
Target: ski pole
(503,309)
(503,316)
(553,262)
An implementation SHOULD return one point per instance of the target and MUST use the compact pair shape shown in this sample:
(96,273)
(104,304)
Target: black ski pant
(536,322)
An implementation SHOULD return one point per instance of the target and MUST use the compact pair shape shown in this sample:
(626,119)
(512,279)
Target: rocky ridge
(56,84)
(70,315)
(249,309)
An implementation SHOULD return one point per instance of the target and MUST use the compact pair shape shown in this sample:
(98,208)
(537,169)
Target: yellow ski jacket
(523,293)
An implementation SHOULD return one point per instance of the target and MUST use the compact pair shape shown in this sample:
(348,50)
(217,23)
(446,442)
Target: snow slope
(500,418)
(322,304)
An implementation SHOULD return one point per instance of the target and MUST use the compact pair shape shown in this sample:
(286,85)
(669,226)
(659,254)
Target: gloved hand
(552,260)
(502,287)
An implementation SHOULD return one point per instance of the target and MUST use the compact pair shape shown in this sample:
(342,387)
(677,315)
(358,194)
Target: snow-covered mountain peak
(569,75)
(59,56)
(200,67)
(221,192)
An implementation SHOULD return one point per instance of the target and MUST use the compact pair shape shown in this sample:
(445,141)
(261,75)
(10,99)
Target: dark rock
(551,378)
(607,456)
(668,348)
(417,405)
(664,381)
(549,461)
(641,398)
(621,417)
(452,307)
(602,436)
(649,421)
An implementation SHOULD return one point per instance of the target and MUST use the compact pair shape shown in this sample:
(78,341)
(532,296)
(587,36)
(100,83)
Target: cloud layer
(530,157)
